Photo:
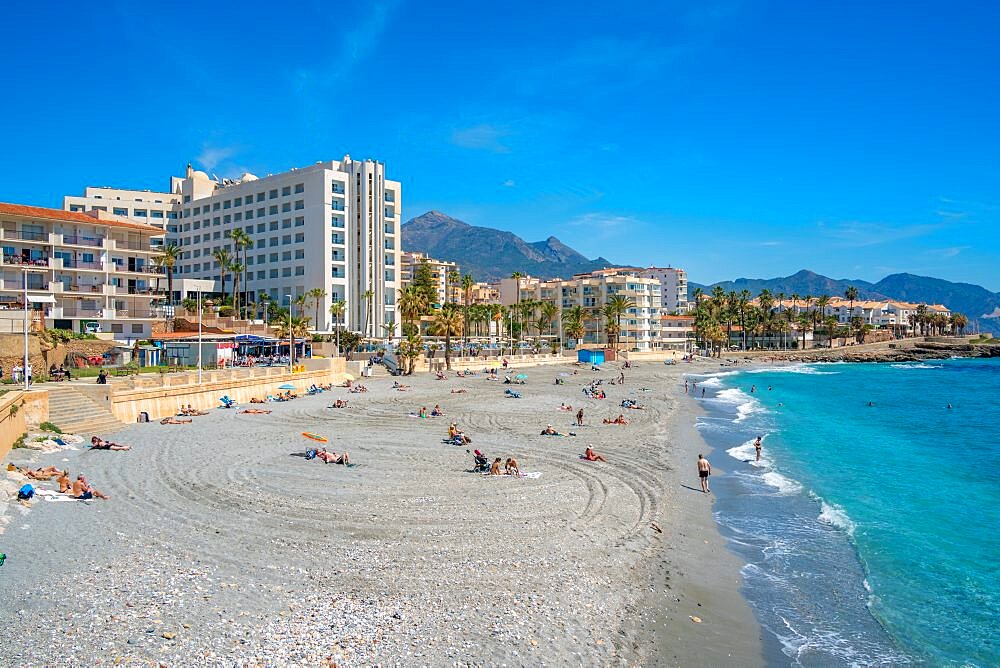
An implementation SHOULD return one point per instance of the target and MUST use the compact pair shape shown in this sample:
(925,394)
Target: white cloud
(211,156)
(483,137)
(856,234)
(509,183)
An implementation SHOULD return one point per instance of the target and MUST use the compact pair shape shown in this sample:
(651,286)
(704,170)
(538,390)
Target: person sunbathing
(339,403)
(255,400)
(83,491)
(592,456)
(396,385)
(46,473)
(511,467)
(459,391)
(455,433)
(333,457)
(495,468)
(436,411)
(255,411)
(422,413)
(190,410)
(618,420)
(100,444)
(440,375)
(173,420)
(65,486)
(565,407)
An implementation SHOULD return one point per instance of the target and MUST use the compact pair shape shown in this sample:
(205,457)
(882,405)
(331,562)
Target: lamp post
(26,269)
(291,335)
(199,335)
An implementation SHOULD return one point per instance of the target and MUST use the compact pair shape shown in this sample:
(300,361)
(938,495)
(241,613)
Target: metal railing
(26,236)
(76,240)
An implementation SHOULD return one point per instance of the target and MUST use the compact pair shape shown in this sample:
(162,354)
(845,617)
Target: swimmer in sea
(757,445)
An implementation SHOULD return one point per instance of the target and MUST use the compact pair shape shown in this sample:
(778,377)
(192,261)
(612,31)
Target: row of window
(122,211)
(245,201)
(261,275)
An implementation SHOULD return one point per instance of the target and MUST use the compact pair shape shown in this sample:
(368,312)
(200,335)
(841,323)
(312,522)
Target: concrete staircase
(75,413)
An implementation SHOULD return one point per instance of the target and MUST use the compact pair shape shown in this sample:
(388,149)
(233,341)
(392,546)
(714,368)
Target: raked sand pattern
(222,545)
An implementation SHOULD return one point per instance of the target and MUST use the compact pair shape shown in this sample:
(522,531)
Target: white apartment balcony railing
(14,235)
(80,240)
(20,261)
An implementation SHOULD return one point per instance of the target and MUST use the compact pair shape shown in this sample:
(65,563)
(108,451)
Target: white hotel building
(334,225)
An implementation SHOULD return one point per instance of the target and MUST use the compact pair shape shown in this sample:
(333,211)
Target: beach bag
(26,492)
(311,454)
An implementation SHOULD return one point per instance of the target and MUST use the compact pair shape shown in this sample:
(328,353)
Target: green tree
(619,306)
(337,311)
(423,280)
(242,241)
(447,323)
(467,284)
(317,295)
(225,262)
(167,260)
(959,322)
(851,293)
(367,297)
(412,304)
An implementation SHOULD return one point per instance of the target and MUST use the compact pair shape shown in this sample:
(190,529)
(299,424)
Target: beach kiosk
(590,356)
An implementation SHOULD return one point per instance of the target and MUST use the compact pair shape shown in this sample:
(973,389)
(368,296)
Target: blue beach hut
(590,356)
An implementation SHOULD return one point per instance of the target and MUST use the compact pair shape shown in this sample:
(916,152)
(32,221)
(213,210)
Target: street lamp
(25,368)
(291,335)
(199,335)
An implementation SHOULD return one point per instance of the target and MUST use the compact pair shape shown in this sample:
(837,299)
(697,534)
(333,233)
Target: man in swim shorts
(704,470)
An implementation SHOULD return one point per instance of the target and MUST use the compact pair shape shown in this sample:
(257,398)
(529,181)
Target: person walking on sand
(757,445)
(704,470)
(685,387)
(579,418)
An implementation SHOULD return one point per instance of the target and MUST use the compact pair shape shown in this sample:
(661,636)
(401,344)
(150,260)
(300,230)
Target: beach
(222,545)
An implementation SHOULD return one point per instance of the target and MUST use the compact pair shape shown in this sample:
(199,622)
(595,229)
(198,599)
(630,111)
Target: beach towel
(52,495)
(531,474)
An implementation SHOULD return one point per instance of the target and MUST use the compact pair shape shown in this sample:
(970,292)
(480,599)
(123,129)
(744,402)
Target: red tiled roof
(90,218)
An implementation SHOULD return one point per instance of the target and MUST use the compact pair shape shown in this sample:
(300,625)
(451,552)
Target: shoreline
(704,577)
(907,350)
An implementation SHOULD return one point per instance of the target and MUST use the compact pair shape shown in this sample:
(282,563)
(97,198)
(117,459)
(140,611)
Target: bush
(226,311)
(19,443)
(48,426)
(190,305)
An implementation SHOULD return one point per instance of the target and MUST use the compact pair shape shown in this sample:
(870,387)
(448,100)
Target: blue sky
(731,138)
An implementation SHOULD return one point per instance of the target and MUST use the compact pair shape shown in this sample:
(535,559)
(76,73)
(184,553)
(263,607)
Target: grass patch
(19,443)
(48,426)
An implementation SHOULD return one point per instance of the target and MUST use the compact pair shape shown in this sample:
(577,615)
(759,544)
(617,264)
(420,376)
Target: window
(299,221)
(300,254)
(300,271)
(260,243)
(215,220)
(216,235)
(261,275)
(274,257)
(187,198)
(286,239)
(238,201)
(248,229)
(286,271)
(261,258)
(286,256)
(140,213)
(227,204)
(286,191)
(273,194)
(249,260)
(117,328)
(196,210)
(285,207)
(197,238)
(118,211)
(261,212)
(227,219)
(274,273)
(77,207)
(136,329)
(299,187)
(300,204)
(273,242)
(249,214)
(261,227)
(300,237)
(260,197)
(196,225)
(273,226)
(286,223)
(156,214)
(215,206)
(172,214)
(238,216)
(272,210)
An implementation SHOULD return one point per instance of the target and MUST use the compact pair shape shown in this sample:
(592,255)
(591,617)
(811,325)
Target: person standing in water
(757,445)
(704,470)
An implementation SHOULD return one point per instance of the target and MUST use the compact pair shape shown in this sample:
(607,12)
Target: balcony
(26,236)
(134,245)
(80,264)
(20,260)
(79,240)
(76,311)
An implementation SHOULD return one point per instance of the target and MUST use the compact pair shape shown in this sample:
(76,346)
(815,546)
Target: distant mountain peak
(490,254)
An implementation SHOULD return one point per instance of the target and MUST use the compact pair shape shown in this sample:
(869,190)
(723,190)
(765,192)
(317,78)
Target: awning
(42,299)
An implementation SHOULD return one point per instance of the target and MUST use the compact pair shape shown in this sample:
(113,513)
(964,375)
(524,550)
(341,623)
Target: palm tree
(225,261)
(367,297)
(575,320)
(317,295)
(821,303)
(410,350)
(922,313)
(236,268)
(447,323)
(958,323)
(291,327)
(805,324)
(766,301)
(451,278)
(549,311)
(242,241)
(412,304)
(620,305)
(517,276)
(337,311)
(167,259)
(851,293)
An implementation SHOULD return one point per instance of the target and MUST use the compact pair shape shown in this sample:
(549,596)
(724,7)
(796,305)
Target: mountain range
(490,254)
(974,301)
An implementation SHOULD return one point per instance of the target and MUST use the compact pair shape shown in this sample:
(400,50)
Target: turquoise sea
(871,533)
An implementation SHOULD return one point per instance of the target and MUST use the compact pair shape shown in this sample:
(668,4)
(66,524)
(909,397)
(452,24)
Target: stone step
(76,413)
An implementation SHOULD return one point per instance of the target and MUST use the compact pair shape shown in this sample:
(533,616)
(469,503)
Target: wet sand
(222,546)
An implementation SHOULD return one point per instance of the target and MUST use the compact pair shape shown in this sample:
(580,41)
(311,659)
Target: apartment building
(143,206)
(677,332)
(640,326)
(96,269)
(443,273)
(333,225)
(674,287)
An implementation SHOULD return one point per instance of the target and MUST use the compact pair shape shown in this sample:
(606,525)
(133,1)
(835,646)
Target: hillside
(490,254)
(974,301)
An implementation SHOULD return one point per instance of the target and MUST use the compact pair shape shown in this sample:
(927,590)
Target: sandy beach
(221,545)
